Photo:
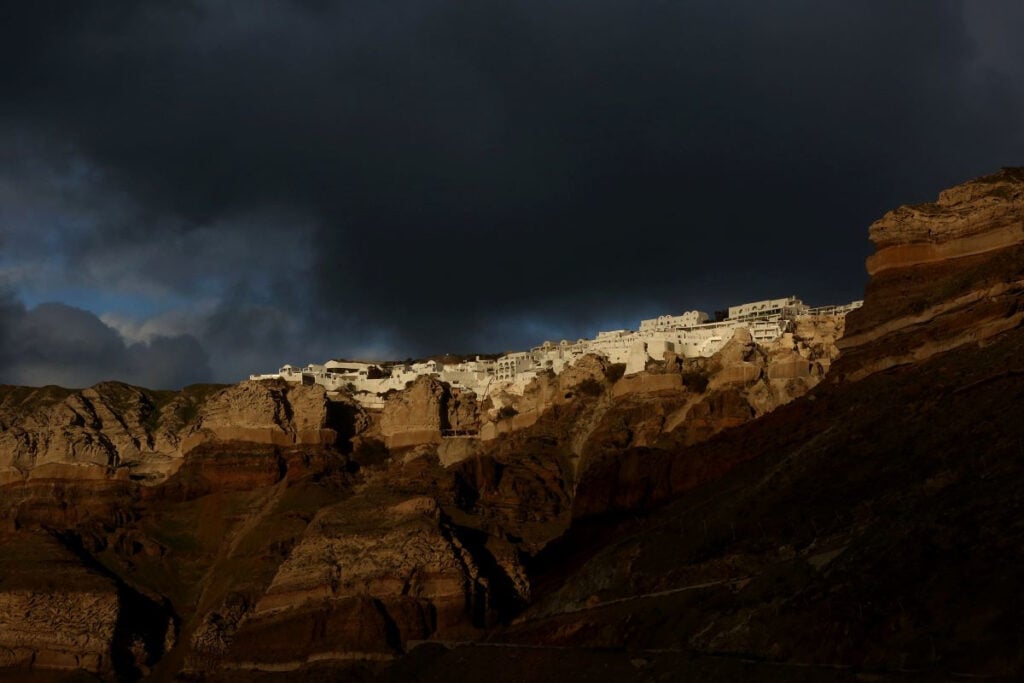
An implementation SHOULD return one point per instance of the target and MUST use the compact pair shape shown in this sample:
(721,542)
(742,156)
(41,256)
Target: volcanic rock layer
(842,504)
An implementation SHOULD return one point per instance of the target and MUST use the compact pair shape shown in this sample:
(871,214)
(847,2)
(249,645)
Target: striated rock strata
(403,559)
(270,412)
(945,275)
(113,430)
(979,216)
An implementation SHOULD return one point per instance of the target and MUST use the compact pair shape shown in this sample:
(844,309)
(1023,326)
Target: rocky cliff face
(806,508)
(275,413)
(425,412)
(402,560)
(242,516)
(978,217)
(416,415)
(59,613)
(52,432)
(113,430)
(863,531)
(944,275)
(70,625)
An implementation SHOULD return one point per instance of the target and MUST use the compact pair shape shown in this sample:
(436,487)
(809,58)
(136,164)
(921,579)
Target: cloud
(58,344)
(293,181)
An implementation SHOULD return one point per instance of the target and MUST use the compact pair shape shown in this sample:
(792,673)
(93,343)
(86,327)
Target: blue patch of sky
(100,302)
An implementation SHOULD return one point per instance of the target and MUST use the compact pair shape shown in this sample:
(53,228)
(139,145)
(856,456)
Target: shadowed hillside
(740,517)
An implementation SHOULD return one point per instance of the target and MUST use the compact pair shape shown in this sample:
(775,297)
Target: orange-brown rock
(92,433)
(390,551)
(416,415)
(99,429)
(367,576)
(589,367)
(462,412)
(268,412)
(974,218)
(57,613)
(117,431)
(54,613)
(647,383)
(917,307)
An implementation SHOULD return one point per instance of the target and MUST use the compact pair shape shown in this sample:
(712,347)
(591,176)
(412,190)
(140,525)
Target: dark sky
(197,191)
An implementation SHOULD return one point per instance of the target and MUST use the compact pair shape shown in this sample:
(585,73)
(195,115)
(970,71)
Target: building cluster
(692,334)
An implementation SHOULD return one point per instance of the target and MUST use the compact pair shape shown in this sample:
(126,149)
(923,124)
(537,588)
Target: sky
(196,191)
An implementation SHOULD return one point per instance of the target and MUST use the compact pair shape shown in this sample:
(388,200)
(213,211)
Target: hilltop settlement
(690,335)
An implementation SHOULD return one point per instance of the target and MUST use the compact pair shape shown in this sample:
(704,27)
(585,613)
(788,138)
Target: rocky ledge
(979,216)
(944,275)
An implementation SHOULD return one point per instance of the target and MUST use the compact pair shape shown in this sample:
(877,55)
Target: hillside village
(690,335)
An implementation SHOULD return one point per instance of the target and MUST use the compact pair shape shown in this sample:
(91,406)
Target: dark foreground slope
(876,528)
(873,530)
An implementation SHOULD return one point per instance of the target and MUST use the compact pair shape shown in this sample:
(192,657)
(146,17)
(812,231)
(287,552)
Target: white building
(770,308)
(664,323)
(472,375)
(614,344)
(690,335)
(509,366)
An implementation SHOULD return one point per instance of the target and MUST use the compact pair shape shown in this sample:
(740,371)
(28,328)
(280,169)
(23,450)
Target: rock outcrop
(113,430)
(269,412)
(977,217)
(426,411)
(364,579)
(58,433)
(54,613)
(944,275)
(58,614)
(416,415)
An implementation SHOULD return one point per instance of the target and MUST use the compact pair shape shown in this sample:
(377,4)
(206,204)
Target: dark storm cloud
(416,177)
(59,344)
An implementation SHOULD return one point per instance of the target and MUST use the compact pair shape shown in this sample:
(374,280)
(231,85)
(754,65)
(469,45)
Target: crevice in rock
(502,600)
(145,628)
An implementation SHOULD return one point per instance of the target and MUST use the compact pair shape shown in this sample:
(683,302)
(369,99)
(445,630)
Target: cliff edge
(944,275)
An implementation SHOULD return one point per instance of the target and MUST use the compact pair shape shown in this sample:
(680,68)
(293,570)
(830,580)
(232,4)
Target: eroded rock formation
(120,431)
(945,275)
(724,506)
(270,412)
(978,217)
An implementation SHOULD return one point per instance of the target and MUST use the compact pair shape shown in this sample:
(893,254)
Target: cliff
(978,217)
(864,531)
(245,515)
(69,625)
(944,275)
(113,430)
(840,504)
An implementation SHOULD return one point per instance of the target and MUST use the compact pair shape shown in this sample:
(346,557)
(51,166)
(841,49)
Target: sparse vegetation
(32,398)
(590,387)
(193,397)
(370,452)
(506,412)
(697,382)
(615,372)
